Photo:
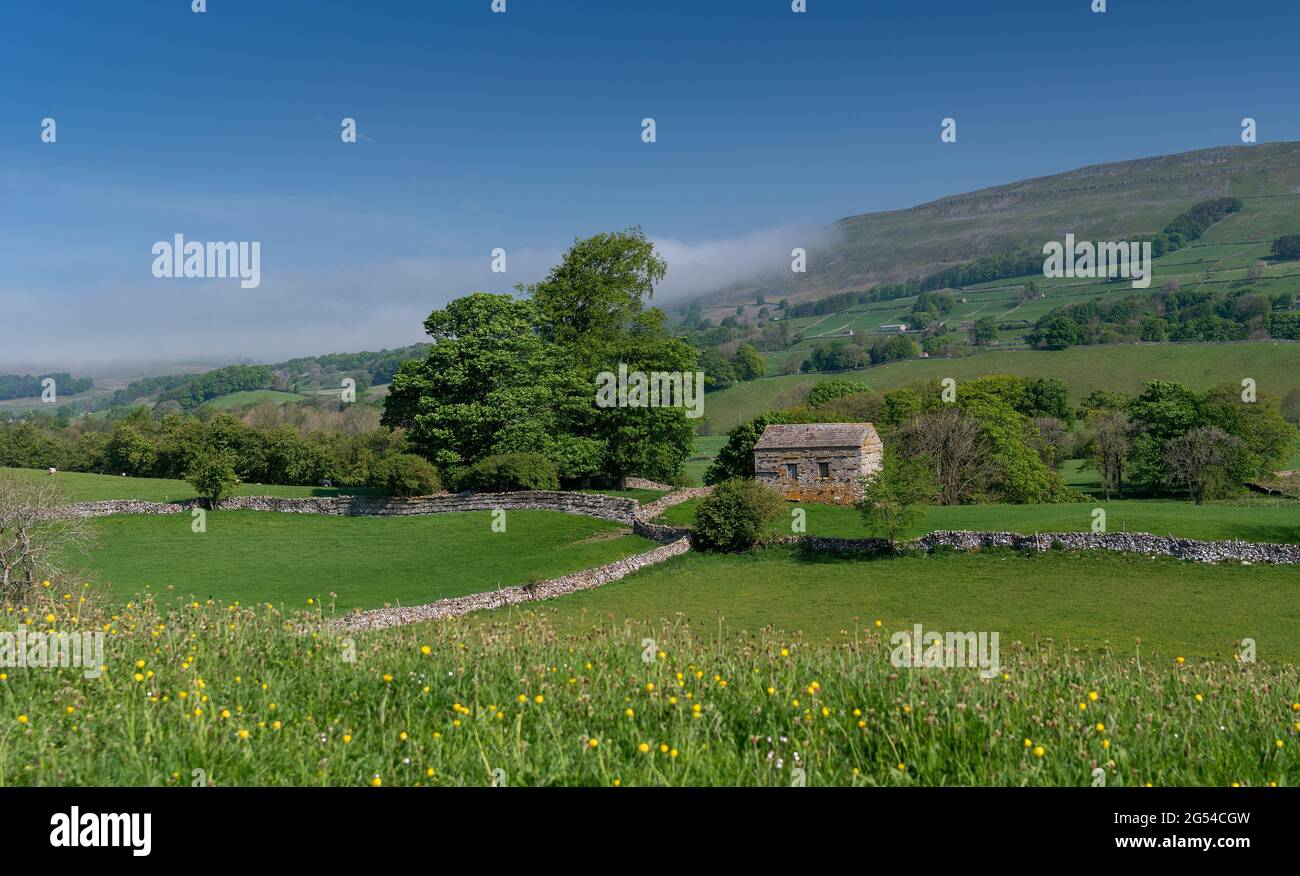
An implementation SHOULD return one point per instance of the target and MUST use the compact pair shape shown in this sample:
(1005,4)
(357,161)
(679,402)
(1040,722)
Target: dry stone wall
(1127,542)
(651,510)
(382,618)
(619,510)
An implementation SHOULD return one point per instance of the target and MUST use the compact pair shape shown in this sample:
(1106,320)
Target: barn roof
(808,435)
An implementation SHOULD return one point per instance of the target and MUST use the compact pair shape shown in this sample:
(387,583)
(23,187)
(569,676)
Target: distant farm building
(894,328)
(818,462)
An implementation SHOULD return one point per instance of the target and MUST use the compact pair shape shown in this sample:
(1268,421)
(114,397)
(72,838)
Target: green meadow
(1090,600)
(236,400)
(345,562)
(83,487)
(1247,519)
(504,700)
(1274,365)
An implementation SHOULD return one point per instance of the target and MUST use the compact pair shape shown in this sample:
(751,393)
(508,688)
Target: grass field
(83,487)
(1274,365)
(258,557)
(1247,519)
(1089,600)
(240,694)
(252,397)
(706,448)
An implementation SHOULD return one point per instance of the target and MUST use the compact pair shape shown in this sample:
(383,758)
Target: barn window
(792,470)
(823,470)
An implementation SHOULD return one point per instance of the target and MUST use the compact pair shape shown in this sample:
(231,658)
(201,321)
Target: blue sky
(522,130)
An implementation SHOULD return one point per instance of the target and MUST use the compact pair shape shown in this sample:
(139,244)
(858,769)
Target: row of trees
(143,444)
(999,441)
(1171,438)
(29,386)
(845,355)
(1003,438)
(1171,314)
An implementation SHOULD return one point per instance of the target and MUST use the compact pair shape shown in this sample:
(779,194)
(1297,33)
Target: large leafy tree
(1264,436)
(1162,412)
(487,386)
(511,376)
(598,292)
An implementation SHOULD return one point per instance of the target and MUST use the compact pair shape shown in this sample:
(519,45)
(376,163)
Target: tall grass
(233,694)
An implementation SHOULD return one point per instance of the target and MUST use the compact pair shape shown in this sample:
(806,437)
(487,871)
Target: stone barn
(818,462)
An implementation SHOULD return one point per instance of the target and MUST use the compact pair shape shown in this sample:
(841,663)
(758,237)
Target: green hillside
(1104,202)
(1274,365)
(234,400)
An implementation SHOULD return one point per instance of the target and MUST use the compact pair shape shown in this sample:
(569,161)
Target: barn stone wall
(843,485)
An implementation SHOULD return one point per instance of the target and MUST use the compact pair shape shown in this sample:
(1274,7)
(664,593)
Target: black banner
(304,825)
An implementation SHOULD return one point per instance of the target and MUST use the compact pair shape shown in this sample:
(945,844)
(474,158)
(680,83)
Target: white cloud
(305,312)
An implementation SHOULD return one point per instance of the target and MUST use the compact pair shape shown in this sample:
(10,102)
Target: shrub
(510,472)
(830,390)
(895,499)
(1287,247)
(212,475)
(406,474)
(736,516)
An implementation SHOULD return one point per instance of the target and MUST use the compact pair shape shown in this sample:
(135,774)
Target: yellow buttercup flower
(593,742)
(1039,751)
(644,747)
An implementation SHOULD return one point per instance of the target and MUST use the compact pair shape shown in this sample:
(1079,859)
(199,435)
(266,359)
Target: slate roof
(810,435)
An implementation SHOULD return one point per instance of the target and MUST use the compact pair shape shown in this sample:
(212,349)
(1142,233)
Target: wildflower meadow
(201,693)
